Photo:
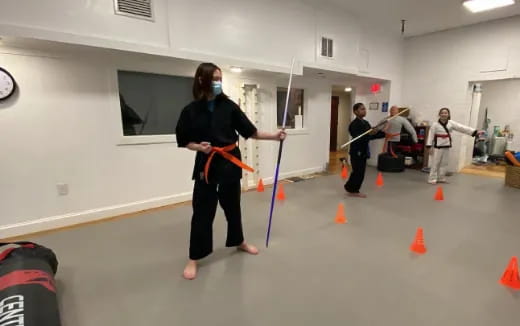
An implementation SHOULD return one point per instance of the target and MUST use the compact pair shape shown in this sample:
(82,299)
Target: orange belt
(387,137)
(223,151)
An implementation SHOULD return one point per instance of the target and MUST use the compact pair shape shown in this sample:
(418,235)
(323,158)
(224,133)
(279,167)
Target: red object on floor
(379,181)
(340,215)
(344,172)
(418,244)
(439,195)
(510,278)
(260,187)
(281,193)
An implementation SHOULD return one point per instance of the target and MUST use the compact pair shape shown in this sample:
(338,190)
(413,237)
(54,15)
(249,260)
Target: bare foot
(357,194)
(252,250)
(190,271)
(432,182)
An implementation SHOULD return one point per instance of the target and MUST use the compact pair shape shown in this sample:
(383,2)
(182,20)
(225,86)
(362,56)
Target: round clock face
(7,84)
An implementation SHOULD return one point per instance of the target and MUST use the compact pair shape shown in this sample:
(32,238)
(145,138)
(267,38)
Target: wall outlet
(63,189)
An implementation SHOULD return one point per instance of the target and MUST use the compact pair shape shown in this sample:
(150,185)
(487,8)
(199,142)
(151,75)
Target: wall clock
(7,84)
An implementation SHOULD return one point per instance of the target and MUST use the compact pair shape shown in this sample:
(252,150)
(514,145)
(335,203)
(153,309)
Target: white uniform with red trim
(439,139)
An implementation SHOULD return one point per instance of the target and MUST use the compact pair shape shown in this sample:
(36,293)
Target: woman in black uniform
(209,126)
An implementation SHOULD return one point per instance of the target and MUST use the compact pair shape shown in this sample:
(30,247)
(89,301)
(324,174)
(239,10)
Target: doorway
(490,111)
(334,123)
(340,116)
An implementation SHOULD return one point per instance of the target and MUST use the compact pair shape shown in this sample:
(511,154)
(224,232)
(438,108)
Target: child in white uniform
(440,139)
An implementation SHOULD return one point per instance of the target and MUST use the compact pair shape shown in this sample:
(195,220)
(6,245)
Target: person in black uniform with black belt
(209,126)
(359,150)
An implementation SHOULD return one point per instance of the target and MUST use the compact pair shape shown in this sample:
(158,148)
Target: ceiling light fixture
(483,5)
(236,70)
(348,89)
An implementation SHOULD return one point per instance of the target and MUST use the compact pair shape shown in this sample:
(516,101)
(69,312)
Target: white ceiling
(423,16)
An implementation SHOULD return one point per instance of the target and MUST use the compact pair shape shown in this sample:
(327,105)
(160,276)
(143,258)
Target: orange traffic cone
(510,278)
(418,244)
(344,172)
(340,215)
(260,187)
(379,181)
(439,195)
(281,193)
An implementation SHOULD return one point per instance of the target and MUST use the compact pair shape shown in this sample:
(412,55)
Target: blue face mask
(217,87)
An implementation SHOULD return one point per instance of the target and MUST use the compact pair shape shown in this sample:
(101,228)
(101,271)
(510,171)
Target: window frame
(138,139)
(294,131)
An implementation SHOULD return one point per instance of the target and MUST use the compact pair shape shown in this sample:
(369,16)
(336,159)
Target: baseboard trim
(86,217)
(297,173)
(66,221)
(270,180)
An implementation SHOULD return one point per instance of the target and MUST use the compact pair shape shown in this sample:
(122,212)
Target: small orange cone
(510,278)
(439,195)
(418,244)
(281,193)
(344,172)
(340,215)
(260,187)
(379,181)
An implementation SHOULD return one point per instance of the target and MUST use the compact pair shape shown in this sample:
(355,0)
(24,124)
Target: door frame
(334,113)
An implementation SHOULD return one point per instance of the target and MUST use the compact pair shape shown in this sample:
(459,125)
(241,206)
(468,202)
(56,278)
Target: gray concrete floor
(315,272)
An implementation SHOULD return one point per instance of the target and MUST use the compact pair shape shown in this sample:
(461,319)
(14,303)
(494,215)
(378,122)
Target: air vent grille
(135,8)
(327,47)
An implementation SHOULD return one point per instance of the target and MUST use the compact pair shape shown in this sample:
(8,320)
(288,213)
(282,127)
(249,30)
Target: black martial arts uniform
(215,122)
(359,153)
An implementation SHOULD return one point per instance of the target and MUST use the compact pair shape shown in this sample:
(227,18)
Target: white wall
(439,67)
(65,120)
(64,126)
(311,148)
(93,18)
(269,32)
(502,99)
(344,29)
(257,34)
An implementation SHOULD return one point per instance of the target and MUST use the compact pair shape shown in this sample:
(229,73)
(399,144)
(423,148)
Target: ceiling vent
(141,9)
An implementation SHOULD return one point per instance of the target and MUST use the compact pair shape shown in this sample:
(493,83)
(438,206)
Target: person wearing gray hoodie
(393,129)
